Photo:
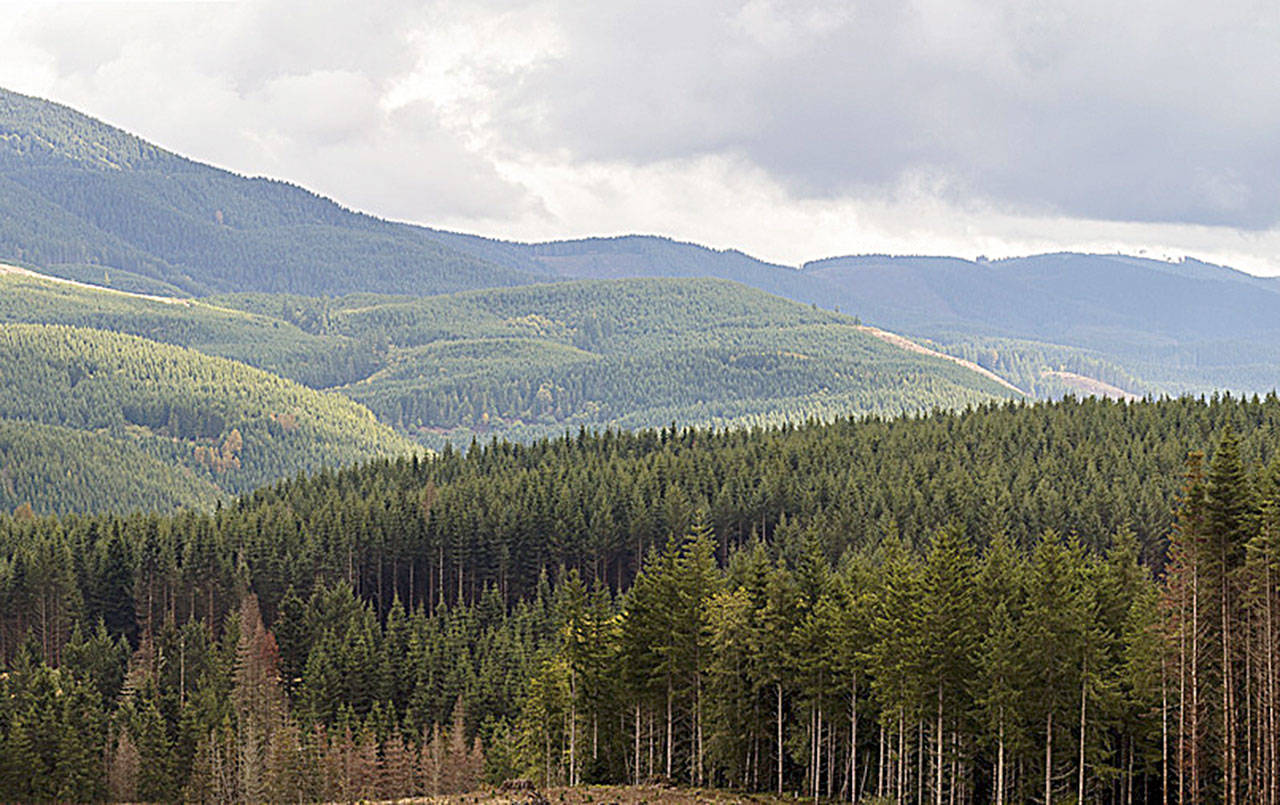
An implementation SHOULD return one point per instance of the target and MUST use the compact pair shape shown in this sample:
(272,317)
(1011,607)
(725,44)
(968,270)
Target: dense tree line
(968,605)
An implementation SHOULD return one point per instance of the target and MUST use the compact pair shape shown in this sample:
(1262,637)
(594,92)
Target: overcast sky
(791,130)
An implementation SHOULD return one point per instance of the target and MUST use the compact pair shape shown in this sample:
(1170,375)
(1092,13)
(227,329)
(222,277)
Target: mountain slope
(75,192)
(534,360)
(59,470)
(233,426)
(1147,325)
(84,200)
(264,341)
(1187,326)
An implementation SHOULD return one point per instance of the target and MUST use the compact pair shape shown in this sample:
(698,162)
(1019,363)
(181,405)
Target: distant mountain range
(84,200)
(446,335)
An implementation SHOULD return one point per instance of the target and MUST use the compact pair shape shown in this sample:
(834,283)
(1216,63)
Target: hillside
(1144,325)
(55,469)
(535,360)
(229,425)
(83,199)
(265,341)
(1176,327)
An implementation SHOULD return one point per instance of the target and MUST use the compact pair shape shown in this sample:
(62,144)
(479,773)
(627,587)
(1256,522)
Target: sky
(790,130)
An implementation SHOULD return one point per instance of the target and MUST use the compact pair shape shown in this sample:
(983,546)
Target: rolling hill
(1144,326)
(217,426)
(59,470)
(534,360)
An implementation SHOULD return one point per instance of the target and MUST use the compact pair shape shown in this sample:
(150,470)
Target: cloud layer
(796,129)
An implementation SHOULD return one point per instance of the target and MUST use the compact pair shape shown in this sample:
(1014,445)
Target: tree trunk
(1164,733)
(573,730)
(698,718)
(670,728)
(1228,728)
(853,741)
(902,756)
(880,763)
(779,691)
(817,753)
(1048,758)
(1000,762)
(937,790)
(1195,688)
(1084,698)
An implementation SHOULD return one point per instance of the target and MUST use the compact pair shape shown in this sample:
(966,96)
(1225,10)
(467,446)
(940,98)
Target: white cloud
(790,128)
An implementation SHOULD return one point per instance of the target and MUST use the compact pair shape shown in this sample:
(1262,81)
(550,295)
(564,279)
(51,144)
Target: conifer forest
(1074,601)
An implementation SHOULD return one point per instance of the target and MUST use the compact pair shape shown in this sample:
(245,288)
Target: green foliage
(743,603)
(533,361)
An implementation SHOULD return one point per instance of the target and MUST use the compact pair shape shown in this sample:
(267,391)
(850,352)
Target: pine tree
(1001,669)
(1229,523)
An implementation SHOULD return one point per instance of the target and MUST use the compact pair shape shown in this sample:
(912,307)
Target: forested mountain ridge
(1187,326)
(775,609)
(83,199)
(217,424)
(536,360)
(57,469)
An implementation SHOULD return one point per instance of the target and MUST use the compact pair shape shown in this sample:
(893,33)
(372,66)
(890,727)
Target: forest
(535,361)
(1052,602)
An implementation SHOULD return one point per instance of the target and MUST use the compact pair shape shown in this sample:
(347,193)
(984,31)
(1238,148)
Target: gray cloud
(292,90)
(1143,111)
(789,127)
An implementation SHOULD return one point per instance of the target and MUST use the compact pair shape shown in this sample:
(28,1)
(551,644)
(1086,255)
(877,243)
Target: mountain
(1139,325)
(82,199)
(219,426)
(534,360)
(1173,327)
